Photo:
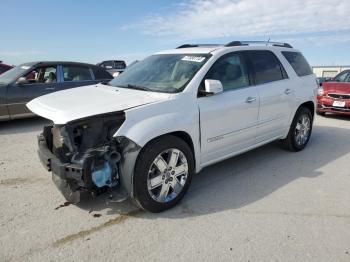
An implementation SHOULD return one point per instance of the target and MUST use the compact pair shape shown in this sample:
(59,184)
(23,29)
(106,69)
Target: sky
(92,31)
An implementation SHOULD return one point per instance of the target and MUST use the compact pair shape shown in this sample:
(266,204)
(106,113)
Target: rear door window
(43,75)
(267,67)
(76,73)
(298,62)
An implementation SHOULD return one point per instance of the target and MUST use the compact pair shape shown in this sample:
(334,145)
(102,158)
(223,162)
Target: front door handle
(250,99)
(288,91)
(50,88)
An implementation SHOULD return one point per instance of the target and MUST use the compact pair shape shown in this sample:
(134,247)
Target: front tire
(163,173)
(300,131)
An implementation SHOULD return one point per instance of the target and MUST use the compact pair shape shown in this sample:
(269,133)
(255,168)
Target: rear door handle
(250,99)
(288,91)
(50,88)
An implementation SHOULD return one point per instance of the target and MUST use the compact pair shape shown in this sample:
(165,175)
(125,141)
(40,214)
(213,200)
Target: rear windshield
(298,62)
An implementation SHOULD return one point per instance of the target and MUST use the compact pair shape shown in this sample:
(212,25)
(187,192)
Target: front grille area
(339,96)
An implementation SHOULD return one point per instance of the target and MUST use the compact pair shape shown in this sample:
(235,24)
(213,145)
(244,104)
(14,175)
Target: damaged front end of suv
(85,156)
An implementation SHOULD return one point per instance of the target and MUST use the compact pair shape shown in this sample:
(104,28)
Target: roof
(46,63)
(239,45)
(5,65)
(191,50)
(211,49)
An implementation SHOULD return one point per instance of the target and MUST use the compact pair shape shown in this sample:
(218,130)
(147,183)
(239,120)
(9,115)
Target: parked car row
(168,116)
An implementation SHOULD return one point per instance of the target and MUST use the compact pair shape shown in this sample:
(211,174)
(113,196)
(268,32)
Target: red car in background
(334,95)
(4,67)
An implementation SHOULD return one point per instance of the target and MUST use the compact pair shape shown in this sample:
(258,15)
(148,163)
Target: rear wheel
(163,173)
(300,130)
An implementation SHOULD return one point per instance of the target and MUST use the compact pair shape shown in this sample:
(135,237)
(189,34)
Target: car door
(75,75)
(276,92)
(228,120)
(39,81)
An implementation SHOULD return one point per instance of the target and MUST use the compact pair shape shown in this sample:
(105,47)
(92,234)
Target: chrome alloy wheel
(302,130)
(167,175)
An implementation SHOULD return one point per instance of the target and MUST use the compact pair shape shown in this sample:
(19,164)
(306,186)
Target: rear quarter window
(101,73)
(298,62)
(76,73)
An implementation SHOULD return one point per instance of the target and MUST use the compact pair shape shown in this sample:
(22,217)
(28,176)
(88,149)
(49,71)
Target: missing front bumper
(62,173)
(71,195)
(72,179)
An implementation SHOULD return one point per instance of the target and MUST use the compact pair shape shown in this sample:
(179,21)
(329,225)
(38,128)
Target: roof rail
(195,45)
(242,43)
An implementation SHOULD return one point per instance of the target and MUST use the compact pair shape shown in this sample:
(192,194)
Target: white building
(328,71)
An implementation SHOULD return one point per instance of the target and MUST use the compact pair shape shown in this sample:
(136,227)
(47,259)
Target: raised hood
(72,104)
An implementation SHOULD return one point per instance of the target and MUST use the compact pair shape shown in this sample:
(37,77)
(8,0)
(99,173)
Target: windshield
(167,73)
(13,74)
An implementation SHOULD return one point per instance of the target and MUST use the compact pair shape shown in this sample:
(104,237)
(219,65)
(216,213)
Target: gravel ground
(265,205)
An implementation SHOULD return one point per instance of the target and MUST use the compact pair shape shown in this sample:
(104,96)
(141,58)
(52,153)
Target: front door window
(43,75)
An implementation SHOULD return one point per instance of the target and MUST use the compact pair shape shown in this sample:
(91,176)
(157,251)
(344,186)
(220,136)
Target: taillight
(320,91)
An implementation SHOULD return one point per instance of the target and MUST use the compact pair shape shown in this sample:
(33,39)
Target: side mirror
(213,87)
(21,81)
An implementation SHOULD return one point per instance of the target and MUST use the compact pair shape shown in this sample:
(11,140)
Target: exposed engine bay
(86,155)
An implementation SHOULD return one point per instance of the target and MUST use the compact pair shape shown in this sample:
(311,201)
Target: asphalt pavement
(265,205)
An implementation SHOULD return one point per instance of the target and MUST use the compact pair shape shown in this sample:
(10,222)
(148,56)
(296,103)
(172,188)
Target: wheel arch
(182,135)
(132,155)
(309,105)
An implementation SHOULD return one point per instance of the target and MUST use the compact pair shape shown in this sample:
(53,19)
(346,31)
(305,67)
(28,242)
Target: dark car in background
(114,67)
(334,95)
(4,67)
(30,80)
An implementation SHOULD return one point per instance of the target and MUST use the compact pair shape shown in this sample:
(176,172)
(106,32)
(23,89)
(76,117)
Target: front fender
(145,123)
(145,130)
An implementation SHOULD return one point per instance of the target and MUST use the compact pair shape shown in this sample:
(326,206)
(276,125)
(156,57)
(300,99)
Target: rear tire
(300,131)
(163,173)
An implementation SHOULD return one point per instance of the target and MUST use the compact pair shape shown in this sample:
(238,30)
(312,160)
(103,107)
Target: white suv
(172,114)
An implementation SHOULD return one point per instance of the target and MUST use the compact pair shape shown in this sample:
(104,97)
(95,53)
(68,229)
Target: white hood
(72,104)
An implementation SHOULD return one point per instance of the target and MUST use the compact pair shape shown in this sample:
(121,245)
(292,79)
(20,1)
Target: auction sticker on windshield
(198,59)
